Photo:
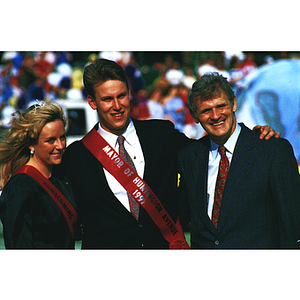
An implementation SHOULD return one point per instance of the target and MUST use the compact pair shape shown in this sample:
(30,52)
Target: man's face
(217,117)
(112,102)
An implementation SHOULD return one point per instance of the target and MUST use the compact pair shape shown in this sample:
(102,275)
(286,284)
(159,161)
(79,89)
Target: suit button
(217,243)
(140,225)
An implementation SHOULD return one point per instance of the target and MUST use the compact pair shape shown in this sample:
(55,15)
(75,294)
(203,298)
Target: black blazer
(106,222)
(261,200)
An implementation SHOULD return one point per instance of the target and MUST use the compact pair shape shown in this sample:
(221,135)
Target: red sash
(136,186)
(67,209)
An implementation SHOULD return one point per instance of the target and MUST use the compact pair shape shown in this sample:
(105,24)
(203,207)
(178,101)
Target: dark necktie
(134,206)
(220,184)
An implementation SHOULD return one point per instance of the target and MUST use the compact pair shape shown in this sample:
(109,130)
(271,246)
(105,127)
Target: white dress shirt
(213,165)
(134,149)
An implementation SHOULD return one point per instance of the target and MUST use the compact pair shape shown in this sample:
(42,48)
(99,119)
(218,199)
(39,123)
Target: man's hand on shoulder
(266,132)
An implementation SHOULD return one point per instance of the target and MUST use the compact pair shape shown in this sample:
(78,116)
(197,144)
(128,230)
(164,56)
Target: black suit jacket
(106,222)
(261,201)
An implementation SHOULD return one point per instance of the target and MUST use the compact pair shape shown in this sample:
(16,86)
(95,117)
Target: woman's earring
(31,151)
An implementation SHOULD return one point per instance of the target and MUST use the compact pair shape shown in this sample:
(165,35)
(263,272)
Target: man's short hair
(209,86)
(100,71)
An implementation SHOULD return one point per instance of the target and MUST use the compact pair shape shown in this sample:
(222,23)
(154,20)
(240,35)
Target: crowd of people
(45,75)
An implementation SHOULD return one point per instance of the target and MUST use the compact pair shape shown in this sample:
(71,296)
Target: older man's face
(217,117)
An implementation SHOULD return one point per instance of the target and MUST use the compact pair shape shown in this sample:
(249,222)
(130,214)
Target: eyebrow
(210,108)
(111,97)
(49,137)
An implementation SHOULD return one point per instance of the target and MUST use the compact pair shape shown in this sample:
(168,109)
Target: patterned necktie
(220,184)
(134,206)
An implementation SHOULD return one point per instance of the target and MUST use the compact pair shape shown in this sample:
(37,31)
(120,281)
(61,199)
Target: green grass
(77,245)
(1,237)
(188,237)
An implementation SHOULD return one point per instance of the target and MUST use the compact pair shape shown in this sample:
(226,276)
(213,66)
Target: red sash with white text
(66,208)
(136,186)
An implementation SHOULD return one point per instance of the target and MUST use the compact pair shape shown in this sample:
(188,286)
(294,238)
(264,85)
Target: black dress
(31,218)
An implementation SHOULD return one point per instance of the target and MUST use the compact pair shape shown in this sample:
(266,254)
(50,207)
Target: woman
(37,208)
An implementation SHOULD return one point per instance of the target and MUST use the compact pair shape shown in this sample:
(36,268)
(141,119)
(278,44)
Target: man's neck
(116,132)
(220,142)
(224,139)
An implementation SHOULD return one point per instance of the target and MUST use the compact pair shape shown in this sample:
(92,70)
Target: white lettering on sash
(113,156)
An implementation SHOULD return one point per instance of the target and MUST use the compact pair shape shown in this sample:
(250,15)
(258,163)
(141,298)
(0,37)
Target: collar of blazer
(242,161)
(244,156)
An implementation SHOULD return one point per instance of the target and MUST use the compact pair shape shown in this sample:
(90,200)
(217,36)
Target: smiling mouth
(57,154)
(217,124)
(118,114)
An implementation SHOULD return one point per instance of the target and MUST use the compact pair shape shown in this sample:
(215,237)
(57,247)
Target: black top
(106,223)
(31,218)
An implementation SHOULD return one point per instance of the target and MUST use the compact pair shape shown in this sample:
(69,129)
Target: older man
(243,192)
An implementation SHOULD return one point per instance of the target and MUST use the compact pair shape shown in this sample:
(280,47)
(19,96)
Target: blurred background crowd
(267,85)
(159,81)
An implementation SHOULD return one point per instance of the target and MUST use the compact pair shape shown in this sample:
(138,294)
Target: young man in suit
(153,146)
(259,206)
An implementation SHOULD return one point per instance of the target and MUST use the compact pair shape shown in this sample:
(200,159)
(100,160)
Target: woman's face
(51,144)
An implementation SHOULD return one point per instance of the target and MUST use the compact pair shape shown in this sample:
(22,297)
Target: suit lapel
(97,176)
(199,180)
(112,200)
(151,151)
(199,177)
(242,160)
(148,146)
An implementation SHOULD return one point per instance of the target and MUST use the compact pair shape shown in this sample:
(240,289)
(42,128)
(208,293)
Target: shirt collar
(130,134)
(111,138)
(230,143)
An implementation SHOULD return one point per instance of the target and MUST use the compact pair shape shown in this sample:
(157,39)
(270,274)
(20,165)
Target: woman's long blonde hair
(24,131)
